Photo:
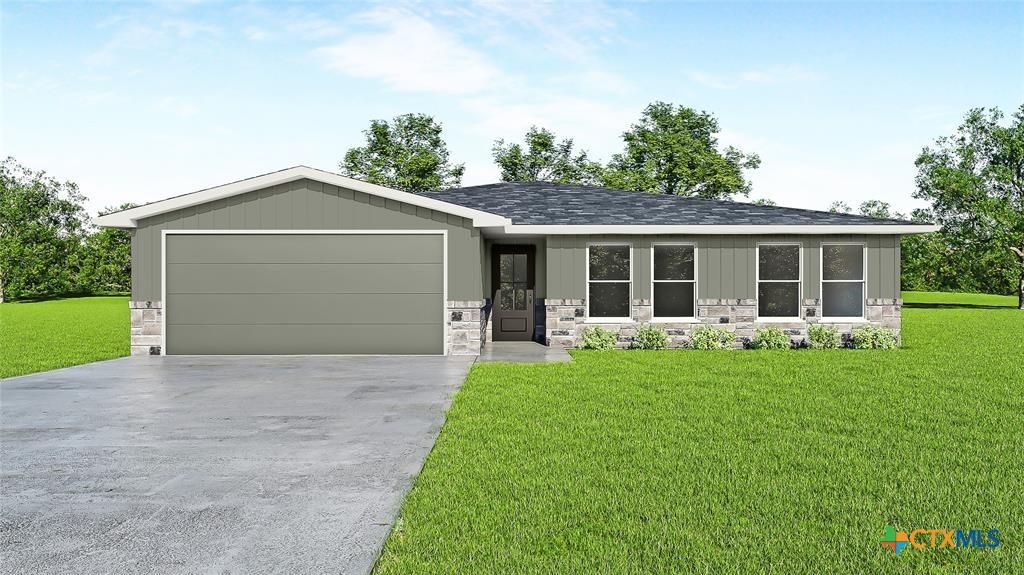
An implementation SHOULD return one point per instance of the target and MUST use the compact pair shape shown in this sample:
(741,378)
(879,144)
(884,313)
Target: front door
(512,278)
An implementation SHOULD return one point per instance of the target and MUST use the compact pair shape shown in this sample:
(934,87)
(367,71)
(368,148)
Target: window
(778,280)
(674,287)
(842,280)
(608,281)
(512,271)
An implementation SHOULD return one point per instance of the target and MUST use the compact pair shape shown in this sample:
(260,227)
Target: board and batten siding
(725,264)
(308,205)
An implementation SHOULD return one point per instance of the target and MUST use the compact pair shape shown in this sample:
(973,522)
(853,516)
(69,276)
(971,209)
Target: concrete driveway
(214,464)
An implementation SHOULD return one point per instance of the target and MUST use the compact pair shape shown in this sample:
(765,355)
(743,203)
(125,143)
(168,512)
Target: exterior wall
(309,205)
(726,286)
(300,205)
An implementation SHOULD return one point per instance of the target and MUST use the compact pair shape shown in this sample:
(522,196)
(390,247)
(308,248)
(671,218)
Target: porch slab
(522,352)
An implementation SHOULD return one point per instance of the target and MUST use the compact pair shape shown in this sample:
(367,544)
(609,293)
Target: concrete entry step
(522,352)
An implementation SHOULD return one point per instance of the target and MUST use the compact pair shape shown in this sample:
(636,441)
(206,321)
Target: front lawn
(39,336)
(733,462)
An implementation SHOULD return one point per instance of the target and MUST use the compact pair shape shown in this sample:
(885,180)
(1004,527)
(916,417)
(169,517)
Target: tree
(764,202)
(974,180)
(407,154)
(106,263)
(839,207)
(879,209)
(545,160)
(674,150)
(42,224)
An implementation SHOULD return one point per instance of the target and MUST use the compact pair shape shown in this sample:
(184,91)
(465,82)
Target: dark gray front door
(512,276)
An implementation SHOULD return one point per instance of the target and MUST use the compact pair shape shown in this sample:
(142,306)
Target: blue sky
(137,102)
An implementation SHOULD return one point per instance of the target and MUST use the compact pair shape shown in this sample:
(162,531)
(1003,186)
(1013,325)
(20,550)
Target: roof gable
(129,218)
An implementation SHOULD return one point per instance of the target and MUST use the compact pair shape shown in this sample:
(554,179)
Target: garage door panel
(255,309)
(317,278)
(305,340)
(259,293)
(304,248)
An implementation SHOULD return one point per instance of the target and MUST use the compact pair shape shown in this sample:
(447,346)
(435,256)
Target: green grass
(958,299)
(39,336)
(732,462)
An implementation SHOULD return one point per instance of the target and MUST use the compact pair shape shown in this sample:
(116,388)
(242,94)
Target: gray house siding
(725,264)
(308,205)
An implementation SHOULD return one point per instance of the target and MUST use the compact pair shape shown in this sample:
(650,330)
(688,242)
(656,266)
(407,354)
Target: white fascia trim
(129,218)
(866,229)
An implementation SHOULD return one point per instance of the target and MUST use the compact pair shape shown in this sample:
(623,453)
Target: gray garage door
(304,293)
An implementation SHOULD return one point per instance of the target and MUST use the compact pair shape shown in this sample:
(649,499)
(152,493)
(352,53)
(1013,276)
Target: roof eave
(129,218)
(697,229)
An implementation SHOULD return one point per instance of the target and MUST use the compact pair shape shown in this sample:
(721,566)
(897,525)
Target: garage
(301,292)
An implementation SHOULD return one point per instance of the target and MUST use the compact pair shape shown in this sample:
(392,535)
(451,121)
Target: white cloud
(411,54)
(572,31)
(312,26)
(766,77)
(189,28)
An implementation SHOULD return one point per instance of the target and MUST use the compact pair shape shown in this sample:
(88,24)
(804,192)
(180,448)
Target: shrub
(771,338)
(650,337)
(871,337)
(707,337)
(823,336)
(599,338)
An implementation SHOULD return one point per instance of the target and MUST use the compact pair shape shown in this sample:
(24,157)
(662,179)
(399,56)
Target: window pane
(673,299)
(505,267)
(609,263)
(778,262)
(506,296)
(520,303)
(842,299)
(778,299)
(519,267)
(673,262)
(842,262)
(609,299)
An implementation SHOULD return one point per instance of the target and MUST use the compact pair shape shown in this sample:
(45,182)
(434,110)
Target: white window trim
(444,266)
(628,319)
(863,281)
(670,319)
(799,281)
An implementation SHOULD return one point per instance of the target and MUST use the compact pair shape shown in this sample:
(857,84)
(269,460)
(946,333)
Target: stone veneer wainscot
(467,326)
(147,327)
(565,320)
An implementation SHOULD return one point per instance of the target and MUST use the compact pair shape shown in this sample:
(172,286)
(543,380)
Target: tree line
(49,247)
(973,180)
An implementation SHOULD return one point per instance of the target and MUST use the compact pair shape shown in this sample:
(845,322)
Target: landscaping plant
(823,336)
(771,338)
(871,337)
(707,337)
(650,337)
(599,338)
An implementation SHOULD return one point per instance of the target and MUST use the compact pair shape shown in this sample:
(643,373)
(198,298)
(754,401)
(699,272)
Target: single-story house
(303,261)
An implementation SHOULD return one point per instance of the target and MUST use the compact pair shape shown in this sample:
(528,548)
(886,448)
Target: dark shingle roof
(543,203)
